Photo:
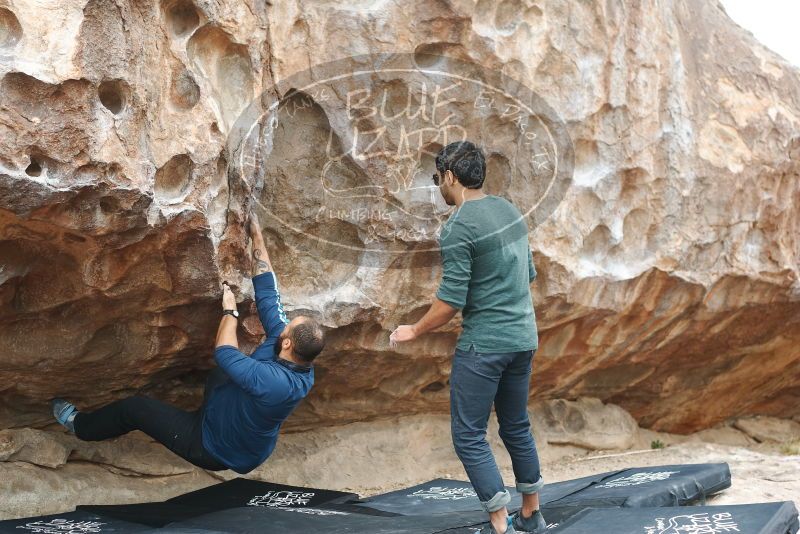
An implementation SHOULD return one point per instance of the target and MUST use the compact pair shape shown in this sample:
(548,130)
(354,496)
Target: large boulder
(668,274)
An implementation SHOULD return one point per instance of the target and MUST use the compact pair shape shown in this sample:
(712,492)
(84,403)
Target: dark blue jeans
(478,381)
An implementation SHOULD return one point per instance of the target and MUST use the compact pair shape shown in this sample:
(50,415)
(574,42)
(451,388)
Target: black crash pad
(182,530)
(558,490)
(244,492)
(329,521)
(159,514)
(664,485)
(439,506)
(444,496)
(437,496)
(764,518)
(230,494)
(154,514)
(647,486)
(78,522)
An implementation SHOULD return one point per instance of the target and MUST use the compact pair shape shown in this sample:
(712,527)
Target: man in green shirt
(487,268)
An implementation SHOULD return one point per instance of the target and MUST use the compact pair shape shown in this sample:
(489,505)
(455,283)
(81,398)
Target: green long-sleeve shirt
(487,268)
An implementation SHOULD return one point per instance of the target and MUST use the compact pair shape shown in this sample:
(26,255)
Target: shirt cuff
(444,297)
(224,348)
(265,280)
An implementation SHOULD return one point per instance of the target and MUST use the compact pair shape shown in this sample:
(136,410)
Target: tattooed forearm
(260,261)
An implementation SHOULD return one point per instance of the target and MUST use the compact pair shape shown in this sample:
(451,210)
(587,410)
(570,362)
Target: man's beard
(279,344)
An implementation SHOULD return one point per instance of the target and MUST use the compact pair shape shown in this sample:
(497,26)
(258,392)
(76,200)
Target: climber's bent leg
(176,429)
(158,420)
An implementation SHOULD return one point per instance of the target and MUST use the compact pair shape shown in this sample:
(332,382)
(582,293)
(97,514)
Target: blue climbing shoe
(65,413)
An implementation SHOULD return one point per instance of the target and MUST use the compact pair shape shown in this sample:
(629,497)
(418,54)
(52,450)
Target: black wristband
(233,313)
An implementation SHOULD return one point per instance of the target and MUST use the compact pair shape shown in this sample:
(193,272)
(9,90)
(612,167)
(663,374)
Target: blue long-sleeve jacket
(242,416)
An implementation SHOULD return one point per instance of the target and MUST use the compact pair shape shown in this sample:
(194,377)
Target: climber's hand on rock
(228,298)
(404,332)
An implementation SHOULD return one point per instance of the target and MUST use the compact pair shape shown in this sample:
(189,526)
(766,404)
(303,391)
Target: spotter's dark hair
(465,160)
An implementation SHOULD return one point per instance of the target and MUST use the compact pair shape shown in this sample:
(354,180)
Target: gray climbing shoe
(535,524)
(489,529)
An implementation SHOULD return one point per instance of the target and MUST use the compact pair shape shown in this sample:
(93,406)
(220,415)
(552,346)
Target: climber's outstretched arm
(226,333)
(265,283)
(261,263)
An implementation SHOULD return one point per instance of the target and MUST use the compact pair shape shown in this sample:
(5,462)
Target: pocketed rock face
(668,276)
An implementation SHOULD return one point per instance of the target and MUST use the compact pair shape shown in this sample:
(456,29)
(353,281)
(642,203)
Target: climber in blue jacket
(247,398)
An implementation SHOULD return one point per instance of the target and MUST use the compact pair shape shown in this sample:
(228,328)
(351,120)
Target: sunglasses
(436,178)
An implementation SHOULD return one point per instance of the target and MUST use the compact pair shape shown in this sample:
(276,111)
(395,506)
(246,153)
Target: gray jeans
(478,381)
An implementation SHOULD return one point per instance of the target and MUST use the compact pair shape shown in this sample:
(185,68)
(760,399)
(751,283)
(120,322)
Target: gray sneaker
(489,529)
(535,524)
